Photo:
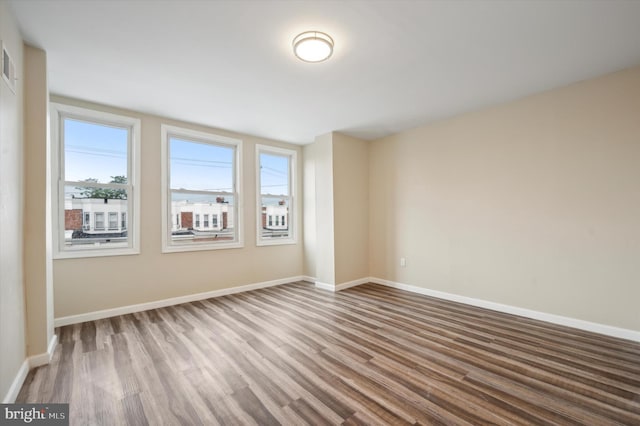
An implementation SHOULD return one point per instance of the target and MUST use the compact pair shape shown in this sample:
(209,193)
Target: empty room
(320,212)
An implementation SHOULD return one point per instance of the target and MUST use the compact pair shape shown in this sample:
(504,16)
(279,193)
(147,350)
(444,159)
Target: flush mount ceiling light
(313,46)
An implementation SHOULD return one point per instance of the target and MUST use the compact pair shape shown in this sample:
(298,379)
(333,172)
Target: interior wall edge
(341,286)
(45,357)
(324,286)
(29,364)
(16,385)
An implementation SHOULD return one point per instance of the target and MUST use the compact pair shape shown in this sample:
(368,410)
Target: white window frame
(169,246)
(95,221)
(293,210)
(114,222)
(58,113)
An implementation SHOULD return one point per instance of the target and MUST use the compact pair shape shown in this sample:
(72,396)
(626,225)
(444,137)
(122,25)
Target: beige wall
(534,204)
(336,176)
(12,305)
(351,207)
(90,284)
(37,218)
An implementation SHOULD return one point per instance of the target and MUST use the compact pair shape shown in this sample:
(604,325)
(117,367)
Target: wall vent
(8,69)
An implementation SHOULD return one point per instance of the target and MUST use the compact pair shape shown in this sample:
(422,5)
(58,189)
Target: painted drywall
(351,207)
(37,230)
(322,156)
(91,284)
(309,209)
(12,305)
(336,176)
(533,204)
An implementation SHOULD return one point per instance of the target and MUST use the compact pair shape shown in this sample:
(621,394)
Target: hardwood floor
(368,355)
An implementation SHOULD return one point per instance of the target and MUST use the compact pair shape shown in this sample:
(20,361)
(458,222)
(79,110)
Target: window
(113,221)
(86,225)
(95,173)
(214,220)
(123,221)
(200,177)
(99,222)
(276,183)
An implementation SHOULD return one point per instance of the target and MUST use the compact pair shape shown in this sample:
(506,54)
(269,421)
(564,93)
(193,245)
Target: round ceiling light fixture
(313,46)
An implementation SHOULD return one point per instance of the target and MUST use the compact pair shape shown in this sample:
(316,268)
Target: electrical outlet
(403,262)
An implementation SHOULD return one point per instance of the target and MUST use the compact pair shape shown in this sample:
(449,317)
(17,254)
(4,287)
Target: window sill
(203,247)
(286,242)
(77,254)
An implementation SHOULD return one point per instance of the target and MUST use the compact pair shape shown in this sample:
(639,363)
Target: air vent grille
(8,69)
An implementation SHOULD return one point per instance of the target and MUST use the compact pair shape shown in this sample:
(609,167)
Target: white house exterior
(276,217)
(106,218)
(201,217)
(95,216)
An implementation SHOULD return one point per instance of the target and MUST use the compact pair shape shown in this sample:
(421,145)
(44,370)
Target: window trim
(58,112)
(86,221)
(115,221)
(96,222)
(293,208)
(167,131)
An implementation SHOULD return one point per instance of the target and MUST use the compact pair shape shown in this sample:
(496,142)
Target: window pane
(274,174)
(203,218)
(113,221)
(200,166)
(95,152)
(202,187)
(99,221)
(91,222)
(275,217)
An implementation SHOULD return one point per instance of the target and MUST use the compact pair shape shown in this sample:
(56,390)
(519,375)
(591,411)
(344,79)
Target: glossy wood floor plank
(368,355)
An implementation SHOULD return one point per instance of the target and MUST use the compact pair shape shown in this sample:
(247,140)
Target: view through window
(275,180)
(95,189)
(202,190)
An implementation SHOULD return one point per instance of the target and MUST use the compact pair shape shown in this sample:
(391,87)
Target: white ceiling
(396,64)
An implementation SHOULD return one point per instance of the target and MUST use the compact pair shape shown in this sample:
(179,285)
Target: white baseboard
(353,283)
(325,286)
(45,358)
(608,330)
(28,364)
(308,279)
(113,312)
(16,385)
(342,286)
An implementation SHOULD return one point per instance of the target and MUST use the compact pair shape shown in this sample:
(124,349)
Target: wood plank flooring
(296,355)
